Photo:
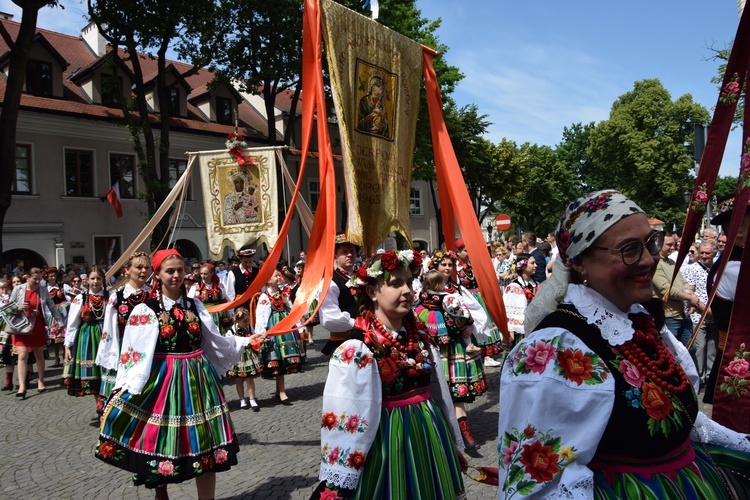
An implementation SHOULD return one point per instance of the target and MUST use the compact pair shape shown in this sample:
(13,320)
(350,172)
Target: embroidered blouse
(267,304)
(359,380)
(79,307)
(146,334)
(567,402)
(119,306)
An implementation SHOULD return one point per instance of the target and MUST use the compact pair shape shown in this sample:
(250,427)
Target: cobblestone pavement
(47,443)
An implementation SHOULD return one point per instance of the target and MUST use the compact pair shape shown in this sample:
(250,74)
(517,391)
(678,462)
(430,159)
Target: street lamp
(686,196)
(489,231)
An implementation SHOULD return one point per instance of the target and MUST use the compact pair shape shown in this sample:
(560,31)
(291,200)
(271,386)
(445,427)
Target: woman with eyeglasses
(599,400)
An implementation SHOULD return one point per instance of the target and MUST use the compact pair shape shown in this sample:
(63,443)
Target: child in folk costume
(121,303)
(465,275)
(250,364)
(170,355)
(463,370)
(445,313)
(281,354)
(86,316)
(519,293)
(209,290)
(56,331)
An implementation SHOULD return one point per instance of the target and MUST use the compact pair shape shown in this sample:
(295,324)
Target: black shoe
(21,395)
(42,391)
(8,387)
(254,405)
(285,402)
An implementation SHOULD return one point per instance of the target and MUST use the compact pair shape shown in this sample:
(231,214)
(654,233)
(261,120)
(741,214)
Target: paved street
(47,443)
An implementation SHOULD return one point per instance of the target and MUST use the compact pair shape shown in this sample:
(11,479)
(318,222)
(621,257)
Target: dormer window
(110,90)
(39,78)
(174,101)
(224,111)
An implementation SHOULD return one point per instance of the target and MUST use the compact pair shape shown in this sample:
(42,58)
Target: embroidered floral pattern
(700,198)
(532,458)
(580,367)
(130,358)
(163,468)
(108,451)
(349,354)
(737,374)
(345,458)
(731,91)
(660,406)
(344,423)
(745,165)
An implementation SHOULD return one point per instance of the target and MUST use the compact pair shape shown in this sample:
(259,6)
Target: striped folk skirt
(413,456)
(81,374)
(178,428)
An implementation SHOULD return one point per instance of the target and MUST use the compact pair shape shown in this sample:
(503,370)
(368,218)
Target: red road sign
(502,222)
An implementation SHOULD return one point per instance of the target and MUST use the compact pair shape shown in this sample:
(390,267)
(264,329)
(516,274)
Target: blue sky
(536,67)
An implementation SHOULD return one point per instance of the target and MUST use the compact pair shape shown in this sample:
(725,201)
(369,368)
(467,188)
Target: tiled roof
(75,102)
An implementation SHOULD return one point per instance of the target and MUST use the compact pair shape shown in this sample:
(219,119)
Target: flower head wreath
(383,265)
(438,256)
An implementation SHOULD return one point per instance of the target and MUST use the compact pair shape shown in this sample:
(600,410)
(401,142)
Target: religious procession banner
(375,78)
(240,200)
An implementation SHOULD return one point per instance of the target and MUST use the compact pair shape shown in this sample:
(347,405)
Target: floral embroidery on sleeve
(345,458)
(532,458)
(348,353)
(130,358)
(572,364)
(581,368)
(344,423)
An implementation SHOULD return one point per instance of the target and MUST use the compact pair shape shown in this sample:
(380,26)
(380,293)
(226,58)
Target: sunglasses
(76,281)
(692,252)
(632,252)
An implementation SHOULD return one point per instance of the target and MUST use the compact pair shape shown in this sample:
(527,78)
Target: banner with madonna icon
(376,74)
(239,198)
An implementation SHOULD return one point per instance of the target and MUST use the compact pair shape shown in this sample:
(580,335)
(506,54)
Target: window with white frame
(122,170)
(415,202)
(22,174)
(313,189)
(79,172)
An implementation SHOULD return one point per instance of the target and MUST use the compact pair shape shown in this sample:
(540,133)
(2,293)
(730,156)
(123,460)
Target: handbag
(16,321)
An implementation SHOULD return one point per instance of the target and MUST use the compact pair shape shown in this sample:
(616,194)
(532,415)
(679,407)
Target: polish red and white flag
(113,197)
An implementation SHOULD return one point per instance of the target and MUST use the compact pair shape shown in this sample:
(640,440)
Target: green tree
(573,153)
(261,50)
(645,148)
(547,186)
(722,56)
(11,101)
(152,27)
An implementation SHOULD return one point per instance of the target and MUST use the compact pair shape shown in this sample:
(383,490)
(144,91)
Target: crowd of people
(598,388)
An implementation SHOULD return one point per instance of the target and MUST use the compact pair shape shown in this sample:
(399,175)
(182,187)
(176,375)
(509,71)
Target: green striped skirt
(82,375)
(413,456)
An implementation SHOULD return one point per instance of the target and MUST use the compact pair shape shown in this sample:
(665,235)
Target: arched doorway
(29,257)
(188,250)
(420,245)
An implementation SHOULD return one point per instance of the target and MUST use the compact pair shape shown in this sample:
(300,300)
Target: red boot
(469,441)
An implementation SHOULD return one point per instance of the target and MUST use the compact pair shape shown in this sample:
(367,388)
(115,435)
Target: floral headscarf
(582,222)
(587,218)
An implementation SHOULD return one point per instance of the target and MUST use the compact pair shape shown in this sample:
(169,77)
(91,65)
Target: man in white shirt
(339,308)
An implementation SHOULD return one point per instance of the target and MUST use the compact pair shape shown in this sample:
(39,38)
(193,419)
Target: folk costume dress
(211,295)
(119,306)
(281,354)
(491,344)
(84,333)
(582,416)
(250,363)
(168,420)
(516,297)
(463,371)
(56,330)
(388,428)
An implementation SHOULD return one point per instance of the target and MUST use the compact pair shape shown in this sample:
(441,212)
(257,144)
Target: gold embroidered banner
(375,78)
(240,201)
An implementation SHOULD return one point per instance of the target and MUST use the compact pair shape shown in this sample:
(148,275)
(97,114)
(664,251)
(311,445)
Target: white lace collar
(614,324)
(129,290)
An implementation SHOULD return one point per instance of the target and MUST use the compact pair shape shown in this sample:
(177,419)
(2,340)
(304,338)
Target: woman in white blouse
(598,401)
